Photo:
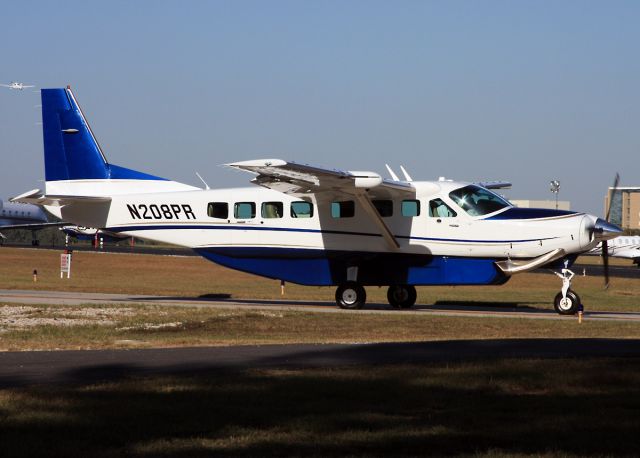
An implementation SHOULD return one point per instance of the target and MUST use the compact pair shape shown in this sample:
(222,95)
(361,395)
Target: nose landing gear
(566,301)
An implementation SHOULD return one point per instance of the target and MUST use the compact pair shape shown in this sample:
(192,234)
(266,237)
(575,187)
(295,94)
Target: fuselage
(19,214)
(256,230)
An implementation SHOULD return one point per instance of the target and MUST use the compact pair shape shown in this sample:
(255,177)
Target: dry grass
(194,276)
(112,326)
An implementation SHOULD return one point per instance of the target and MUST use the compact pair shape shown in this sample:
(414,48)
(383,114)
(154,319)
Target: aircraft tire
(402,296)
(568,306)
(351,296)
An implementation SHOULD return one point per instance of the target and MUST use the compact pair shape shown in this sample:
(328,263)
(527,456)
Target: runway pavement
(87,366)
(449,308)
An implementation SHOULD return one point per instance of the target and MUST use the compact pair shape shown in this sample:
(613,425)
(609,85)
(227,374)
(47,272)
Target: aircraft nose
(604,230)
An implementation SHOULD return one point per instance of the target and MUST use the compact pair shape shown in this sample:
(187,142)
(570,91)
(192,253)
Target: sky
(522,91)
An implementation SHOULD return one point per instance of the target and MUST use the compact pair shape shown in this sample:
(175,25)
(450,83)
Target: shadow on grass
(554,407)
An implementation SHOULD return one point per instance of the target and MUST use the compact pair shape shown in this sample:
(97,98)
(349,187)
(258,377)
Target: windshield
(477,201)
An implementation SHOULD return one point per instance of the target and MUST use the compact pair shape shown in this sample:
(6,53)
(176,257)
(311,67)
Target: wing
(302,179)
(28,86)
(5,85)
(32,225)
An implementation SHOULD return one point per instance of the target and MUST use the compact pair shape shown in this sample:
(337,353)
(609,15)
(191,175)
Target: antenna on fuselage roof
(206,186)
(394,177)
(406,175)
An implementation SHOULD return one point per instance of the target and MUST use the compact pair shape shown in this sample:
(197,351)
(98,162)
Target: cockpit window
(477,201)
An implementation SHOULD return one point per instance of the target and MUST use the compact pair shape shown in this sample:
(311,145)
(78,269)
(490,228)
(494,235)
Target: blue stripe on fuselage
(530,213)
(316,231)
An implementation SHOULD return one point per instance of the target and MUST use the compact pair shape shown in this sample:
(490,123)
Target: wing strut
(366,203)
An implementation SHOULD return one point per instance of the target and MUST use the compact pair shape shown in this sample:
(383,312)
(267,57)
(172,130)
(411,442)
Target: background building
(562,204)
(625,207)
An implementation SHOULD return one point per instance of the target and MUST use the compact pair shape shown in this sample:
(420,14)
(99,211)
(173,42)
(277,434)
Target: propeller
(605,244)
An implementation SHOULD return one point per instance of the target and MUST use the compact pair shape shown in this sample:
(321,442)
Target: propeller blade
(612,194)
(605,244)
(605,263)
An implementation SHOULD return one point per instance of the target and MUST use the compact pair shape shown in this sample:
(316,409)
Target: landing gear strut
(567,301)
(350,295)
(401,296)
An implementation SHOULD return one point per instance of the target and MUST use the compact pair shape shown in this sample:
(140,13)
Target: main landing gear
(402,296)
(351,295)
(567,302)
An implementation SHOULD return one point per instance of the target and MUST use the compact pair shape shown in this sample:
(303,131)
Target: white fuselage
(181,218)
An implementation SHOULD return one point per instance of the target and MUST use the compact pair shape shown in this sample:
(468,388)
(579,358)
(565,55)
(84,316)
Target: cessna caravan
(313,225)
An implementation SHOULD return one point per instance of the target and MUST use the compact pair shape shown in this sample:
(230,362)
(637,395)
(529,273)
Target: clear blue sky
(525,91)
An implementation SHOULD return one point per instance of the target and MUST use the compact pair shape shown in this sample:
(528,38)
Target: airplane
(312,225)
(16,85)
(624,246)
(23,216)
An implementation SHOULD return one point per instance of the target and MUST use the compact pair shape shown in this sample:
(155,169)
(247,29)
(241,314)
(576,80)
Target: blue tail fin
(71,151)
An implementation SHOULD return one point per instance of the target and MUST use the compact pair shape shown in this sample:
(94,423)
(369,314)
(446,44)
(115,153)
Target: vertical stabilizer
(71,151)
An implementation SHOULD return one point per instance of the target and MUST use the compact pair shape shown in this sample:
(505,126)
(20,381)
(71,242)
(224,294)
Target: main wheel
(568,305)
(350,295)
(402,296)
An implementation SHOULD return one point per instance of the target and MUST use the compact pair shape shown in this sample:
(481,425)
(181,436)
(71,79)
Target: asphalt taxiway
(449,308)
(19,369)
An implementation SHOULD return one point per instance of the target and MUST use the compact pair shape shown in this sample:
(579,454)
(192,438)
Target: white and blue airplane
(312,225)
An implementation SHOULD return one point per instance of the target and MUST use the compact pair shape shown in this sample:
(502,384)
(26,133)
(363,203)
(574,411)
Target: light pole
(554,186)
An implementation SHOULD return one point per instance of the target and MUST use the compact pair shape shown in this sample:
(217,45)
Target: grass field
(194,276)
(503,407)
(117,326)
(546,408)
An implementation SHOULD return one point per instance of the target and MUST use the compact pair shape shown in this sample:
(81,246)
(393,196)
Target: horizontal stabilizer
(36,197)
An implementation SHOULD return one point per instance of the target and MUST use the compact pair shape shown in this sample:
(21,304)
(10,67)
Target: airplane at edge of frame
(316,226)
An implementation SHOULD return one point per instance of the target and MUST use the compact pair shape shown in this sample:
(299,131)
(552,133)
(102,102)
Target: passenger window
(345,209)
(272,210)
(384,207)
(410,208)
(244,210)
(218,210)
(301,209)
(438,209)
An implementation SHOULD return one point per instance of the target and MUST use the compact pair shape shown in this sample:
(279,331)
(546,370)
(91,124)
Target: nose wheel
(351,296)
(566,302)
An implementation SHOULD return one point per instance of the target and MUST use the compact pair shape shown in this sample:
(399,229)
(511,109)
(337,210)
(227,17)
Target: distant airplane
(23,216)
(624,246)
(16,85)
(316,226)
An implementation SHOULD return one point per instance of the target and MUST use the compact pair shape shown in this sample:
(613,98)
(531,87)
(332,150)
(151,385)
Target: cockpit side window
(477,201)
(438,209)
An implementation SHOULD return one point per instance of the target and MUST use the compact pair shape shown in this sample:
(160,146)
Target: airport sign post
(65,264)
